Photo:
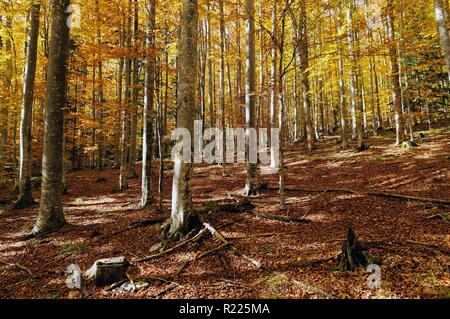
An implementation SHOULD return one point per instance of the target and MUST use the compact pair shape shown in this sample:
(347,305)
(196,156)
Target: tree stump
(352,256)
(107,271)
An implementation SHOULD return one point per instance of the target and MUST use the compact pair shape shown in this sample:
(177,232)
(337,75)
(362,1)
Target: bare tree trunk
(396,90)
(4,108)
(181,190)
(222,80)
(304,77)
(149,99)
(342,95)
(250,99)
(26,191)
(282,113)
(441,20)
(134,101)
(125,120)
(273,79)
(210,67)
(51,214)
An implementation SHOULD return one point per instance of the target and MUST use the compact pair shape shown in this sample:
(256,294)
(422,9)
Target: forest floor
(408,237)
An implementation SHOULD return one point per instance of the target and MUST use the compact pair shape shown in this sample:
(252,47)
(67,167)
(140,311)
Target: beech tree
(51,214)
(182,207)
(250,187)
(149,99)
(26,191)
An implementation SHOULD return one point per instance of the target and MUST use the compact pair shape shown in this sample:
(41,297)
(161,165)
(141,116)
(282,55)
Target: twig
(21,267)
(281,218)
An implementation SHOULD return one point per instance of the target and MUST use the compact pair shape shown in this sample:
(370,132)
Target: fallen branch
(195,238)
(20,267)
(259,265)
(280,218)
(371,193)
(220,237)
(200,256)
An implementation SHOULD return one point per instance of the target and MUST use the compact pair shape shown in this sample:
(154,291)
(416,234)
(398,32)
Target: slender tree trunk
(134,101)
(304,77)
(250,99)
(273,79)
(26,190)
(51,214)
(210,67)
(441,20)
(396,90)
(147,117)
(342,95)
(222,80)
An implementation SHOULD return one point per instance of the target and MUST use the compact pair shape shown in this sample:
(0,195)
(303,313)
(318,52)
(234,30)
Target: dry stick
(258,265)
(219,236)
(382,194)
(281,218)
(195,238)
(198,257)
(21,267)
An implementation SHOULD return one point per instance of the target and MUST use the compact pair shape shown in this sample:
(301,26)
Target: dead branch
(281,218)
(195,238)
(371,193)
(20,267)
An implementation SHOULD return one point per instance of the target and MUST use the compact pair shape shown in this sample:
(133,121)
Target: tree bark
(250,187)
(396,90)
(51,216)
(181,189)
(442,23)
(147,117)
(26,191)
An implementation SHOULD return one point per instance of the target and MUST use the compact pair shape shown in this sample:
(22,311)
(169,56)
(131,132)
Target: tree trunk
(51,215)
(396,90)
(441,20)
(147,117)
(304,77)
(181,189)
(134,101)
(342,95)
(250,187)
(273,80)
(26,191)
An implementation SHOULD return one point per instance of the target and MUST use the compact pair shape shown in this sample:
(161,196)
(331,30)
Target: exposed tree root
(165,252)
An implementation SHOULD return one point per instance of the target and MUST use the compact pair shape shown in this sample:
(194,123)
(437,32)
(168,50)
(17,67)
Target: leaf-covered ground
(409,238)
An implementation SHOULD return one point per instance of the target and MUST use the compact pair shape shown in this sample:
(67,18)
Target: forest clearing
(224,149)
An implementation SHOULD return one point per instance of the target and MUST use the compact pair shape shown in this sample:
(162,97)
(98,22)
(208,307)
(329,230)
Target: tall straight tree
(396,89)
(442,23)
(51,216)
(181,188)
(134,97)
(304,76)
(26,191)
(250,187)
(342,96)
(149,99)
